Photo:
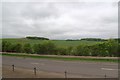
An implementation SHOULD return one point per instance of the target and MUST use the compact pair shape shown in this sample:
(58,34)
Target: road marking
(38,63)
(108,69)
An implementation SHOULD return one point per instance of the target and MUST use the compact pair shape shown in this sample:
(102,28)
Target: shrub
(61,51)
(17,48)
(82,50)
(27,48)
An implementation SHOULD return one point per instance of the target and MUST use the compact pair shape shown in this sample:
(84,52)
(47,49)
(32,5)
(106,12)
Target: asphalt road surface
(75,69)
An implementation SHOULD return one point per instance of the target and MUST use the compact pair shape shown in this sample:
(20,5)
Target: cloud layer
(60,20)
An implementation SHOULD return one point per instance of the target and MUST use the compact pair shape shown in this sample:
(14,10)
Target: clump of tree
(6,46)
(61,51)
(44,48)
(82,50)
(93,39)
(17,48)
(9,47)
(27,48)
(107,48)
(72,40)
(37,38)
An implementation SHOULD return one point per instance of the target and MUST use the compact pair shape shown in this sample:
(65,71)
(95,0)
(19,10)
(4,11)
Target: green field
(59,43)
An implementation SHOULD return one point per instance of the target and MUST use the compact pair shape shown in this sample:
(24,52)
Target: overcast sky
(60,20)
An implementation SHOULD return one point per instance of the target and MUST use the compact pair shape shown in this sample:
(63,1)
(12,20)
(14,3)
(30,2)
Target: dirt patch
(27,73)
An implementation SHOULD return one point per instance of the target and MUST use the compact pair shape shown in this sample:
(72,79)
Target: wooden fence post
(35,70)
(13,67)
(65,74)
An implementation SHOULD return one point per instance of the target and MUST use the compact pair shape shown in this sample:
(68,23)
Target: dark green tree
(37,48)
(61,51)
(70,50)
(49,47)
(17,48)
(6,46)
(112,47)
(27,48)
(82,50)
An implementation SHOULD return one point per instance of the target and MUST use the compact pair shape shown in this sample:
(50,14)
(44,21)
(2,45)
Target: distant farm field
(59,43)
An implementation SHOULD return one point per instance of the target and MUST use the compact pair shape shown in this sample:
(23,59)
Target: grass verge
(61,58)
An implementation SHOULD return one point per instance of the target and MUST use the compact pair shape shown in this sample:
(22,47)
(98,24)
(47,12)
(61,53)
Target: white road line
(108,69)
(38,63)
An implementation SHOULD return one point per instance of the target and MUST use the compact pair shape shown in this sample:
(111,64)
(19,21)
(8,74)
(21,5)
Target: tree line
(37,38)
(87,39)
(92,39)
(107,48)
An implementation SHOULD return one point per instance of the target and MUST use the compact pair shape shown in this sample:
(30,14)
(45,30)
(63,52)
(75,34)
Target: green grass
(59,43)
(61,58)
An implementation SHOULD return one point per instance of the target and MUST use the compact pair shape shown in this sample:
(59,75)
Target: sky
(59,19)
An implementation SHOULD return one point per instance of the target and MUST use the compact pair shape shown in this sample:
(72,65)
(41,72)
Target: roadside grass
(61,58)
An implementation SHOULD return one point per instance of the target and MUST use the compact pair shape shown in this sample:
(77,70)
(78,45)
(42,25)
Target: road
(75,69)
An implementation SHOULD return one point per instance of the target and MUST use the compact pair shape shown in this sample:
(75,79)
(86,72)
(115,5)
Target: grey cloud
(60,20)
(109,20)
(40,10)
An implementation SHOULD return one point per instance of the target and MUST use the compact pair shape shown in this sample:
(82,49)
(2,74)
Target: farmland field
(59,43)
